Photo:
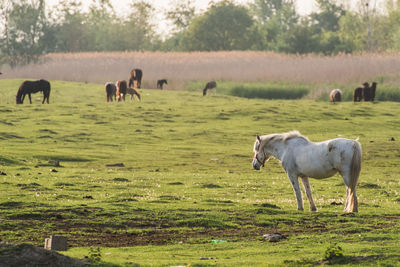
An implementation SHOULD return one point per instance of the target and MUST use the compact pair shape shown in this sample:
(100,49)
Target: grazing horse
(160,83)
(111,91)
(359,92)
(335,95)
(136,75)
(132,92)
(302,158)
(372,91)
(31,87)
(121,90)
(209,86)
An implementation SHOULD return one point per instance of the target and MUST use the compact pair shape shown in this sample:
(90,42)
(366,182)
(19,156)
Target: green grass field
(187,179)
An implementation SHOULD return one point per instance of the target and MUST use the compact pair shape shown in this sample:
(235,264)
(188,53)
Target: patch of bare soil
(26,255)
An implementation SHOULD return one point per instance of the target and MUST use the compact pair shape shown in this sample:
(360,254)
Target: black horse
(372,91)
(209,86)
(31,87)
(160,83)
(136,75)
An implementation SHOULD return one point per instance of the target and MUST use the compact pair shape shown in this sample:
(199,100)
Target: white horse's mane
(284,137)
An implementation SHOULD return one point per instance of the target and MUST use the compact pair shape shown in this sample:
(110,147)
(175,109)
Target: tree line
(28,29)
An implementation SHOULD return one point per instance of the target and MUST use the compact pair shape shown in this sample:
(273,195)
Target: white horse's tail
(355,169)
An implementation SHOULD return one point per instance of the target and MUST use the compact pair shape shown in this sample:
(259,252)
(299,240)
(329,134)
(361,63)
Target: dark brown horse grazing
(136,75)
(111,91)
(31,87)
(132,92)
(121,90)
(372,91)
(358,94)
(160,83)
(335,95)
(209,85)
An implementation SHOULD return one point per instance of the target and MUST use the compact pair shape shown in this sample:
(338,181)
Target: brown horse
(136,75)
(160,83)
(132,92)
(209,86)
(111,91)
(335,95)
(358,94)
(121,90)
(31,87)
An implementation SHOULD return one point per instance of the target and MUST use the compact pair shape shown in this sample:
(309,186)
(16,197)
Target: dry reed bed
(179,68)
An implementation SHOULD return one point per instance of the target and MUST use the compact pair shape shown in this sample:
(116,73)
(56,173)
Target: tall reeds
(179,68)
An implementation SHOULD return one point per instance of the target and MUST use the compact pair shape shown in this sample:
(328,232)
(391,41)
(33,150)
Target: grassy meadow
(186,179)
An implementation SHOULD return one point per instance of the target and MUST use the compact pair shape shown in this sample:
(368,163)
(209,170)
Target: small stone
(274,237)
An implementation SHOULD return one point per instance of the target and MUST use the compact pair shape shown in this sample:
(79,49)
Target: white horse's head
(260,156)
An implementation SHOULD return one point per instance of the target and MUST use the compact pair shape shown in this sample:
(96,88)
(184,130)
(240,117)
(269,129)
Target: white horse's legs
(351,196)
(307,188)
(296,187)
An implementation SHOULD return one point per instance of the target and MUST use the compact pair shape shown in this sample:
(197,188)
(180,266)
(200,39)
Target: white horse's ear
(258,138)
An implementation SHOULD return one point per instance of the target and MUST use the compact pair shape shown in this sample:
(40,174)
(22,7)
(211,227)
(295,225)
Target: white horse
(302,158)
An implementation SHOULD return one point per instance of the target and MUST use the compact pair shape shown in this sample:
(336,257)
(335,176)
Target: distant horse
(121,90)
(160,83)
(111,91)
(359,92)
(302,158)
(209,86)
(136,75)
(372,91)
(132,92)
(31,87)
(335,95)
(367,93)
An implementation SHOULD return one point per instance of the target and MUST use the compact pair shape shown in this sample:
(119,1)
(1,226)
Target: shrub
(333,253)
(269,92)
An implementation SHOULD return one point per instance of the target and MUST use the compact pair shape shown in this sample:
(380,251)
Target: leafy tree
(225,26)
(139,32)
(394,22)
(275,18)
(72,30)
(300,39)
(25,24)
(100,25)
(325,26)
(328,17)
(181,13)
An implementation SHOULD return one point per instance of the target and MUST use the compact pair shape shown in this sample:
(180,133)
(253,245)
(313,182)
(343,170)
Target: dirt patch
(28,255)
